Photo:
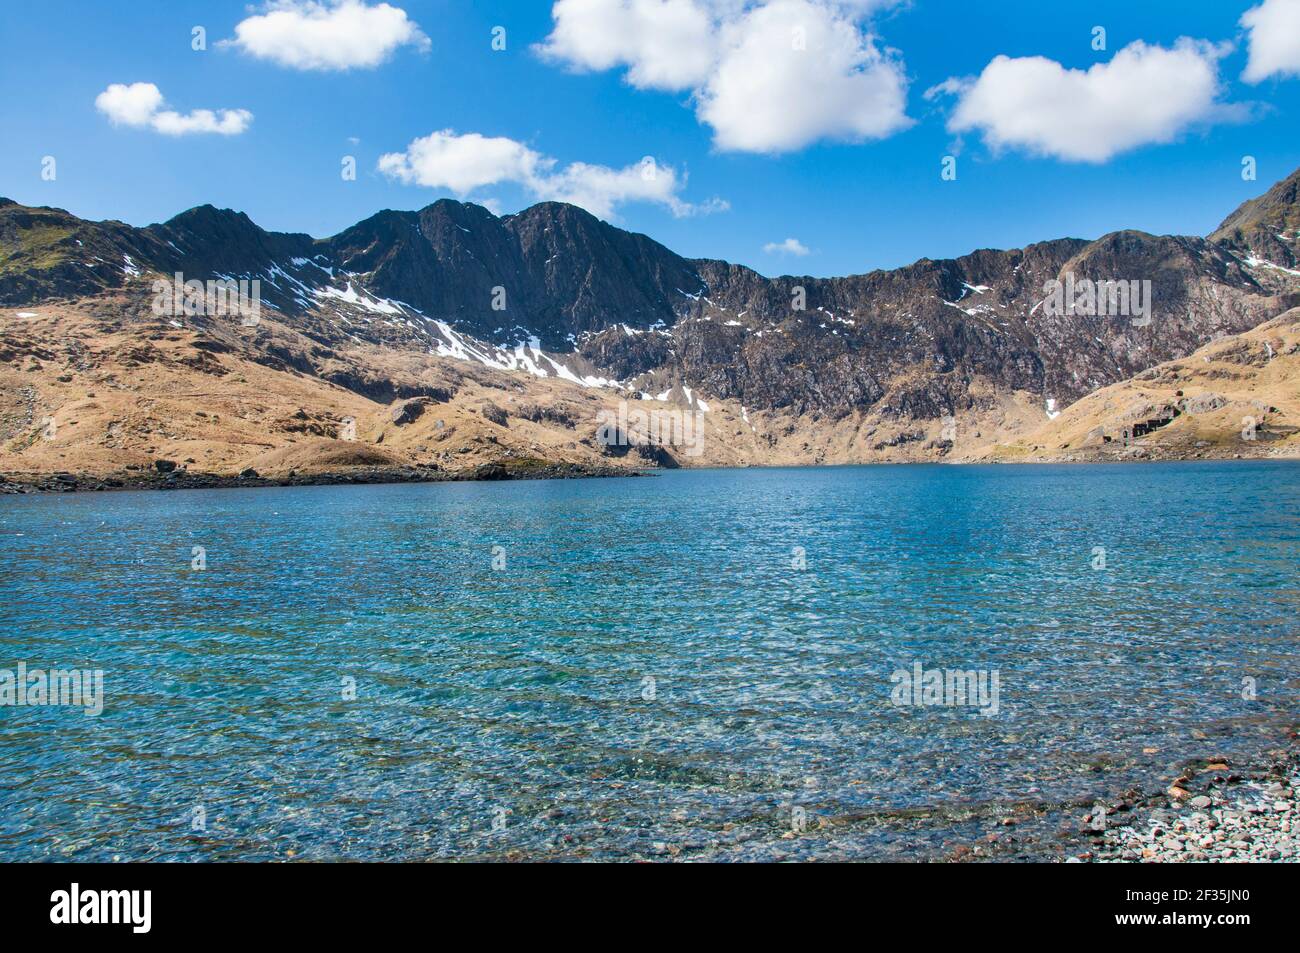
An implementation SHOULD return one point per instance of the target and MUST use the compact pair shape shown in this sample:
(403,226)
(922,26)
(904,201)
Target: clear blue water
(519,693)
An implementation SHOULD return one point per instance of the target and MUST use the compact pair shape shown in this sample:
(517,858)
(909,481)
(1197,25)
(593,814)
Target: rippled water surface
(509,713)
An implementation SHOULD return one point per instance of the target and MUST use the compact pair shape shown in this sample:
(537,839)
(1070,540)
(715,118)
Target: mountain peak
(557,210)
(209,214)
(445,205)
(1275,213)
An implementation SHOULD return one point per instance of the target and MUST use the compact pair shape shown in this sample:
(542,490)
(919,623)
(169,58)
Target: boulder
(407,411)
(1203,403)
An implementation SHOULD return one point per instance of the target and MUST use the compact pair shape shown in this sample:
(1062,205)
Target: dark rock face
(1267,227)
(555,415)
(208,241)
(444,260)
(495,414)
(552,271)
(923,341)
(407,411)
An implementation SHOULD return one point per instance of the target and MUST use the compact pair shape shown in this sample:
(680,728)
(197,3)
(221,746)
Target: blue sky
(869,197)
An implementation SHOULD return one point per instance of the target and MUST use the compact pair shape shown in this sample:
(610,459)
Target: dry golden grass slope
(123,391)
(103,388)
(1238,396)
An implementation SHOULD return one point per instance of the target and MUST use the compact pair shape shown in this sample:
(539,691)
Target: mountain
(803,369)
(1237,396)
(1266,229)
(564,272)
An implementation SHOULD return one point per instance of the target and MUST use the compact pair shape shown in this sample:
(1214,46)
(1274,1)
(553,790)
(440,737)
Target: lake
(695,665)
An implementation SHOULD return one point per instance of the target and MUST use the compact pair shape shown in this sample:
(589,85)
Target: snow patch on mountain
(527,358)
(353,297)
(1253,262)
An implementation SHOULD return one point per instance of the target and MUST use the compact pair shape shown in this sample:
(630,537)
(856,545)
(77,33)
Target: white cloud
(466,163)
(766,75)
(795,71)
(132,105)
(1274,28)
(1145,94)
(791,246)
(445,160)
(140,106)
(665,44)
(600,189)
(327,35)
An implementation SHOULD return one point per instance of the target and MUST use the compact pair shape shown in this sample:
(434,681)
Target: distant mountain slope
(1237,396)
(557,294)
(1267,228)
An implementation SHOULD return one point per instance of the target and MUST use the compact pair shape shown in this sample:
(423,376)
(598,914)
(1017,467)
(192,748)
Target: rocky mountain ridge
(558,295)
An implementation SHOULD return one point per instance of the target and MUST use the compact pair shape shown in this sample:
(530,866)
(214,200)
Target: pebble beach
(1214,815)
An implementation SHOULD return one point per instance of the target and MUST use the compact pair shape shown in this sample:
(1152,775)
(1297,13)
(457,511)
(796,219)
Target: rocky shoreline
(1152,454)
(1216,810)
(1218,814)
(175,478)
(180,478)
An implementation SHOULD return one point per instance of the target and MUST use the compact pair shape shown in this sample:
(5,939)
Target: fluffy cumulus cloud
(791,246)
(663,44)
(792,72)
(1274,31)
(466,163)
(140,105)
(767,75)
(327,35)
(1144,94)
(445,160)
